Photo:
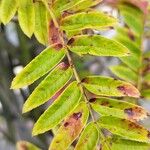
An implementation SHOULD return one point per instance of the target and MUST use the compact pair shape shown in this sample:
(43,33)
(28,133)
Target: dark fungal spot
(129,111)
(63,66)
(134,126)
(92,100)
(70,41)
(148,135)
(57,141)
(58,46)
(105,103)
(76,116)
(128,90)
(85,80)
(54,34)
(66,124)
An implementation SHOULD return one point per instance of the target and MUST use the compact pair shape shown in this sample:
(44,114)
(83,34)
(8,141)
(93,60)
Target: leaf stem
(70,60)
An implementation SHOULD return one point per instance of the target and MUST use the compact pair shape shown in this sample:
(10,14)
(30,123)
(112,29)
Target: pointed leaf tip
(129,90)
(105,86)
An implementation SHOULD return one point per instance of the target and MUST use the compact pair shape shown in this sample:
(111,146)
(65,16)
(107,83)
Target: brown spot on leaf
(148,135)
(129,90)
(70,41)
(135,113)
(66,13)
(77,115)
(63,66)
(85,80)
(73,124)
(54,34)
(131,35)
(105,103)
(92,100)
(66,124)
(129,111)
(58,46)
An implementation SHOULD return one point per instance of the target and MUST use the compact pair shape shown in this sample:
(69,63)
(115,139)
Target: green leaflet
(118,108)
(71,128)
(41,22)
(89,138)
(132,16)
(8,9)
(85,4)
(39,66)
(97,45)
(129,36)
(131,61)
(124,128)
(48,87)
(21,145)
(125,73)
(106,86)
(134,49)
(122,144)
(86,20)
(61,107)
(26,16)
(146,93)
(74,5)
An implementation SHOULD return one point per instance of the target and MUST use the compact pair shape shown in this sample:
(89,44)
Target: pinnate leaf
(26,16)
(86,20)
(118,108)
(89,138)
(8,9)
(39,66)
(71,128)
(106,86)
(48,87)
(125,128)
(61,107)
(97,45)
